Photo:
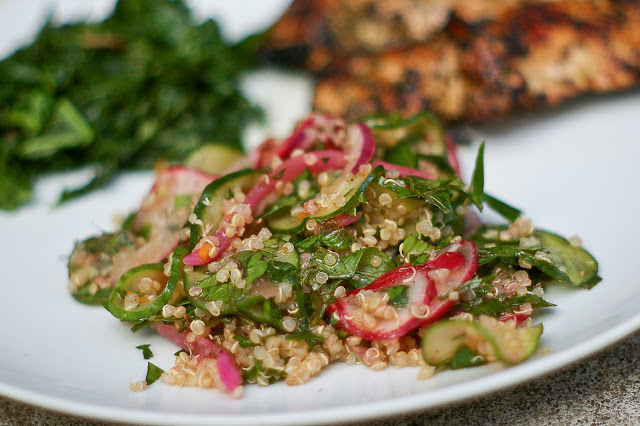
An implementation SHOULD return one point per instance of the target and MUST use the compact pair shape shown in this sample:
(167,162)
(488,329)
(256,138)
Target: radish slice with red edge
(202,347)
(426,294)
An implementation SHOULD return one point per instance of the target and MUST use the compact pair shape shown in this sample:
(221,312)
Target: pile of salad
(351,242)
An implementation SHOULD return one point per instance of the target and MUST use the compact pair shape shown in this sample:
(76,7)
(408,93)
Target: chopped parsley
(153,373)
(146,352)
(398,295)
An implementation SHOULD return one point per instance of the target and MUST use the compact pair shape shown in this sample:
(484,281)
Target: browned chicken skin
(464,60)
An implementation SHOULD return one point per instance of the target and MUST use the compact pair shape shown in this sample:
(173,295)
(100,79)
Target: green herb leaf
(244,342)
(477,179)
(153,373)
(226,292)
(465,358)
(184,200)
(68,129)
(512,254)
(356,266)
(253,264)
(402,155)
(146,352)
(496,306)
(503,209)
(398,295)
(435,192)
(282,271)
(138,326)
(312,339)
(328,236)
(259,370)
(418,250)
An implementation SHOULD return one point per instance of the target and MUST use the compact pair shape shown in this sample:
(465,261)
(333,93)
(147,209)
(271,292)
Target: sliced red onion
(202,347)
(229,372)
(302,137)
(360,146)
(404,171)
(288,171)
(344,219)
(451,154)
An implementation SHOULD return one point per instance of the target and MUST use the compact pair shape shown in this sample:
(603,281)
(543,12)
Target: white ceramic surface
(572,170)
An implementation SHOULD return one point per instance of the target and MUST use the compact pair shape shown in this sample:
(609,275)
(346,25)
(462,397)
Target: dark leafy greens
(147,84)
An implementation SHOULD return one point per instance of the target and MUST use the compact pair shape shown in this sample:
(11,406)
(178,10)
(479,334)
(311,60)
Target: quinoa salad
(345,242)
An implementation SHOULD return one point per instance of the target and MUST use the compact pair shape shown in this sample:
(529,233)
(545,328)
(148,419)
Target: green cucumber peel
(442,340)
(146,309)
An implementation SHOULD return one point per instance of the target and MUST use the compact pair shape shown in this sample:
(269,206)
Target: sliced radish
(204,348)
(427,296)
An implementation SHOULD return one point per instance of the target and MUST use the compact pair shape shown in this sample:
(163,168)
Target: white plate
(572,170)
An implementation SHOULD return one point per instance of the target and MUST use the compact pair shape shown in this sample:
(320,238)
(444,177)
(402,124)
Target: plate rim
(539,367)
(485,385)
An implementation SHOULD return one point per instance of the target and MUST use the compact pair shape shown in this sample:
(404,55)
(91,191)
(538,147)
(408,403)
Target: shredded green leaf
(254,265)
(153,373)
(398,295)
(477,179)
(244,342)
(146,352)
(356,267)
(417,249)
(333,238)
(465,358)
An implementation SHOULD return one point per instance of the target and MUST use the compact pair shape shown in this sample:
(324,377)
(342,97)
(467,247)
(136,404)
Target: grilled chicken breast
(482,60)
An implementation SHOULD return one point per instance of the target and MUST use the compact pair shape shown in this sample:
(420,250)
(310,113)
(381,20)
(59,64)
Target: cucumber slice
(130,282)
(192,279)
(579,265)
(91,263)
(568,264)
(286,223)
(213,158)
(209,207)
(442,340)
(517,344)
(389,131)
